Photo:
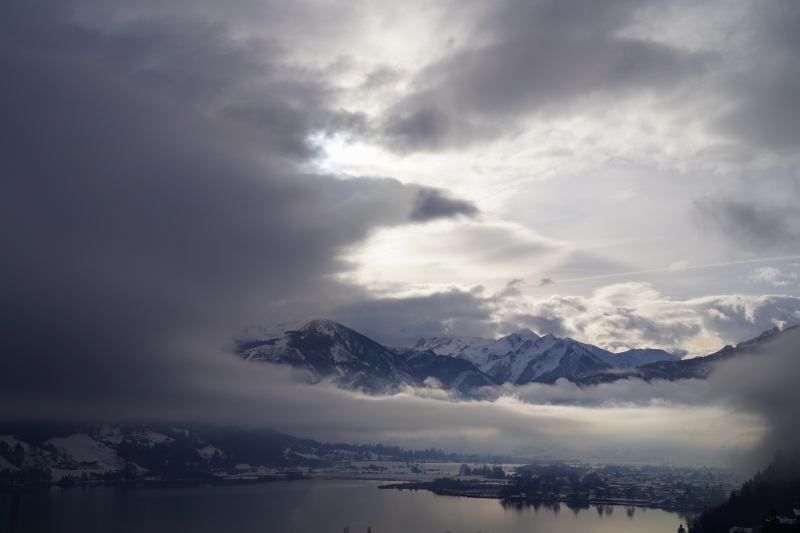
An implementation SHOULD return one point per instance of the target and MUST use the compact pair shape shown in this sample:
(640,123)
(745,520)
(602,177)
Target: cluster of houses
(674,488)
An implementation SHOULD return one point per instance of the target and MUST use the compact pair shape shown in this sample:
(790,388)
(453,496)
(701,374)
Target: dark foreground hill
(761,503)
(698,367)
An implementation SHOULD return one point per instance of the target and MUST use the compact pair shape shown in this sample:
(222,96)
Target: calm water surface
(311,506)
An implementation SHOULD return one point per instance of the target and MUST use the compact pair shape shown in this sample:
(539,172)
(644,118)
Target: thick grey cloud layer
(745,402)
(154,191)
(765,83)
(403,321)
(431,204)
(545,59)
(528,57)
(766,383)
(752,223)
(149,196)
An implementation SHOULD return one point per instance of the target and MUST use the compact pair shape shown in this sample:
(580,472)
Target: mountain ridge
(524,356)
(323,349)
(692,368)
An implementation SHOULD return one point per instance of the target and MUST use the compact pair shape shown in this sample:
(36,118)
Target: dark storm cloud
(143,212)
(512,289)
(150,197)
(402,321)
(759,213)
(767,116)
(431,204)
(751,223)
(766,383)
(379,77)
(537,55)
(764,84)
(201,62)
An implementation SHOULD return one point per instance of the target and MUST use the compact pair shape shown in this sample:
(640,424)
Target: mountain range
(322,349)
(525,357)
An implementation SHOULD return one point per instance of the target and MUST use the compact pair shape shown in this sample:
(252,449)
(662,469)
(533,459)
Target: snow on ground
(151,438)
(84,449)
(5,465)
(208,452)
(12,442)
(307,455)
(109,435)
(34,456)
(402,471)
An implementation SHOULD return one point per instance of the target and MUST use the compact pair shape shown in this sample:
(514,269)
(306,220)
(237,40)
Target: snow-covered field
(81,448)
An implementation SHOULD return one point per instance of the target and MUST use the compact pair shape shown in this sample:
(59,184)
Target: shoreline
(477,492)
(479,489)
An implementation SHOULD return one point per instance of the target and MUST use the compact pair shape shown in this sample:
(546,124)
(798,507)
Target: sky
(622,173)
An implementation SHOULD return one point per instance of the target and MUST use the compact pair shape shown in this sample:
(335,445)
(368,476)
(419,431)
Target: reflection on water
(309,506)
(577,507)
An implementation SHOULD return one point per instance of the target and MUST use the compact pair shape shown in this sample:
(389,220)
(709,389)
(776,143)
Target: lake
(307,506)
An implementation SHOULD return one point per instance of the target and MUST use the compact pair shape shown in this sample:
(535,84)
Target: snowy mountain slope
(74,456)
(523,357)
(324,348)
(643,356)
(761,338)
(453,373)
(79,453)
(81,448)
(478,350)
(31,455)
(5,464)
(631,358)
(695,368)
(560,358)
(208,452)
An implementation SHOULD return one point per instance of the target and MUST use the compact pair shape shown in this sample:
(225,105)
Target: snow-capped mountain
(694,368)
(78,455)
(523,357)
(757,340)
(452,373)
(325,349)
(478,350)
(637,357)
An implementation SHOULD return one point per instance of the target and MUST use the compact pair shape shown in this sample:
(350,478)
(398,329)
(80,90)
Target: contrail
(688,267)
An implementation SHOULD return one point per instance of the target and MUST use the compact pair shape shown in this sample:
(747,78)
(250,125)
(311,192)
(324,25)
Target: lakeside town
(109,454)
(575,484)
(60,457)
